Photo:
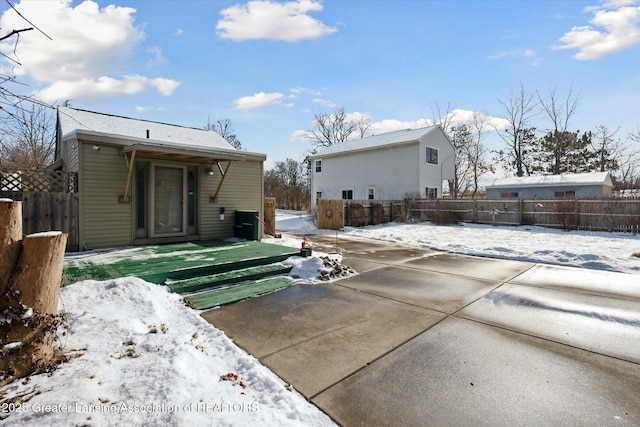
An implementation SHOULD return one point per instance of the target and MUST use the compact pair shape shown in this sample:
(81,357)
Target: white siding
(392,172)
(432,175)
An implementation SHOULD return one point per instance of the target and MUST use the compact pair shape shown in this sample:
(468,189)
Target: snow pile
(143,358)
(597,250)
(594,250)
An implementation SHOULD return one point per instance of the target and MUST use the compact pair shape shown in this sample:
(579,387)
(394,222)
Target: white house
(580,185)
(384,167)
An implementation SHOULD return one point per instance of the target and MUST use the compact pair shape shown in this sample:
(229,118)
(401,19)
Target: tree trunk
(31,298)
(39,271)
(10,239)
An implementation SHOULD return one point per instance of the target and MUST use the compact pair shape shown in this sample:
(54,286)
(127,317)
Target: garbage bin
(245,225)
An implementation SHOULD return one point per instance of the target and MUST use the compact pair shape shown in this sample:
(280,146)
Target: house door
(168,201)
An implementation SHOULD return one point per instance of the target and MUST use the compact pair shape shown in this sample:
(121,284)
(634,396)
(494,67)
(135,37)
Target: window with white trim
(347,194)
(432,156)
(318,166)
(371,193)
(431,193)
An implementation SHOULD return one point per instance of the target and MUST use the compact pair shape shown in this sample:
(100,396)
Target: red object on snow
(305,243)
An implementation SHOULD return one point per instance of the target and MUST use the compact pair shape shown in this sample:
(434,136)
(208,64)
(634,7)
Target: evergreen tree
(563,152)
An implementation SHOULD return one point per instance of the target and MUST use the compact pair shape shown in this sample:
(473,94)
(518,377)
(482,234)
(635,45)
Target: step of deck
(227,295)
(227,277)
(205,268)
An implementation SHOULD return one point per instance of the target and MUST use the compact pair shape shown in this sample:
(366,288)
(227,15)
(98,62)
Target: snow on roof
(376,141)
(72,120)
(593,178)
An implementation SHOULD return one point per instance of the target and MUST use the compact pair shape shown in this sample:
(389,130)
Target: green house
(143,182)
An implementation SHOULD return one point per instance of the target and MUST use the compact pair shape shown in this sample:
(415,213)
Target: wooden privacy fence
(569,214)
(49,201)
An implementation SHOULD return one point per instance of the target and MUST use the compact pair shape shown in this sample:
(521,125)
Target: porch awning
(184,154)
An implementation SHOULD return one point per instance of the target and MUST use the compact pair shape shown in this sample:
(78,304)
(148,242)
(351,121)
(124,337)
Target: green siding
(70,155)
(106,223)
(241,190)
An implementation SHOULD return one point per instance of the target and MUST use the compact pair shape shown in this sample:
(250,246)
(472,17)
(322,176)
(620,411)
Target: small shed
(143,182)
(579,185)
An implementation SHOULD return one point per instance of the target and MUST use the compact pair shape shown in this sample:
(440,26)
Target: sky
(270,66)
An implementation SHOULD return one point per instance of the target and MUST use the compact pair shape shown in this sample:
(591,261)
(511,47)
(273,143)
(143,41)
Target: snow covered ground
(141,357)
(594,250)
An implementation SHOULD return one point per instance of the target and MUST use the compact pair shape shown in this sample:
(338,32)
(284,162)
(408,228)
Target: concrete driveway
(422,338)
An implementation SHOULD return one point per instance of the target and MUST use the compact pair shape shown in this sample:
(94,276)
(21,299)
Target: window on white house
(318,196)
(318,166)
(371,193)
(432,156)
(432,193)
(347,194)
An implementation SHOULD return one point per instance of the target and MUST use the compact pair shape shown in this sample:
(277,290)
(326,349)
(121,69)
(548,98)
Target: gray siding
(106,223)
(241,190)
(582,191)
(69,155)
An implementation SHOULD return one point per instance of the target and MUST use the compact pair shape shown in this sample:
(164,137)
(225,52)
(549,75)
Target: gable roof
(148,138)
(593,178)
(378,141)
(72,120)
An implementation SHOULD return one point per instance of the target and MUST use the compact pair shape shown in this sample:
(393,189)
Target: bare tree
(334,128)
(628,159)
(444,117)
(461,138)
(225,129)
(27,138)
(477,152)
(287,183)
(606,149)
(559,112)
(519,109)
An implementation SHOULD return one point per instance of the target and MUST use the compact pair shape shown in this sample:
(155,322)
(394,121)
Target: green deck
(215,297)
(215,280)
(231,268)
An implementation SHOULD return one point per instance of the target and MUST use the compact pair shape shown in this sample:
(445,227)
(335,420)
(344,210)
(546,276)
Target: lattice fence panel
(38,180)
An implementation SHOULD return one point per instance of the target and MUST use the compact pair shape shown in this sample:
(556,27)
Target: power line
(19,14)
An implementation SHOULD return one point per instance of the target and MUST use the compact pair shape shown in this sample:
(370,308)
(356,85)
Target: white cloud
(104,87)
(84,59)
(157,58)
(459,117)
(165,86)
(264,19)
(390,125)
(615,26)
(142,109)
(325,103)
(530,55)
(258,100)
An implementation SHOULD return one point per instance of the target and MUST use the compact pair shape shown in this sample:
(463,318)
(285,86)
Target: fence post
(475,210)
(520,208)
